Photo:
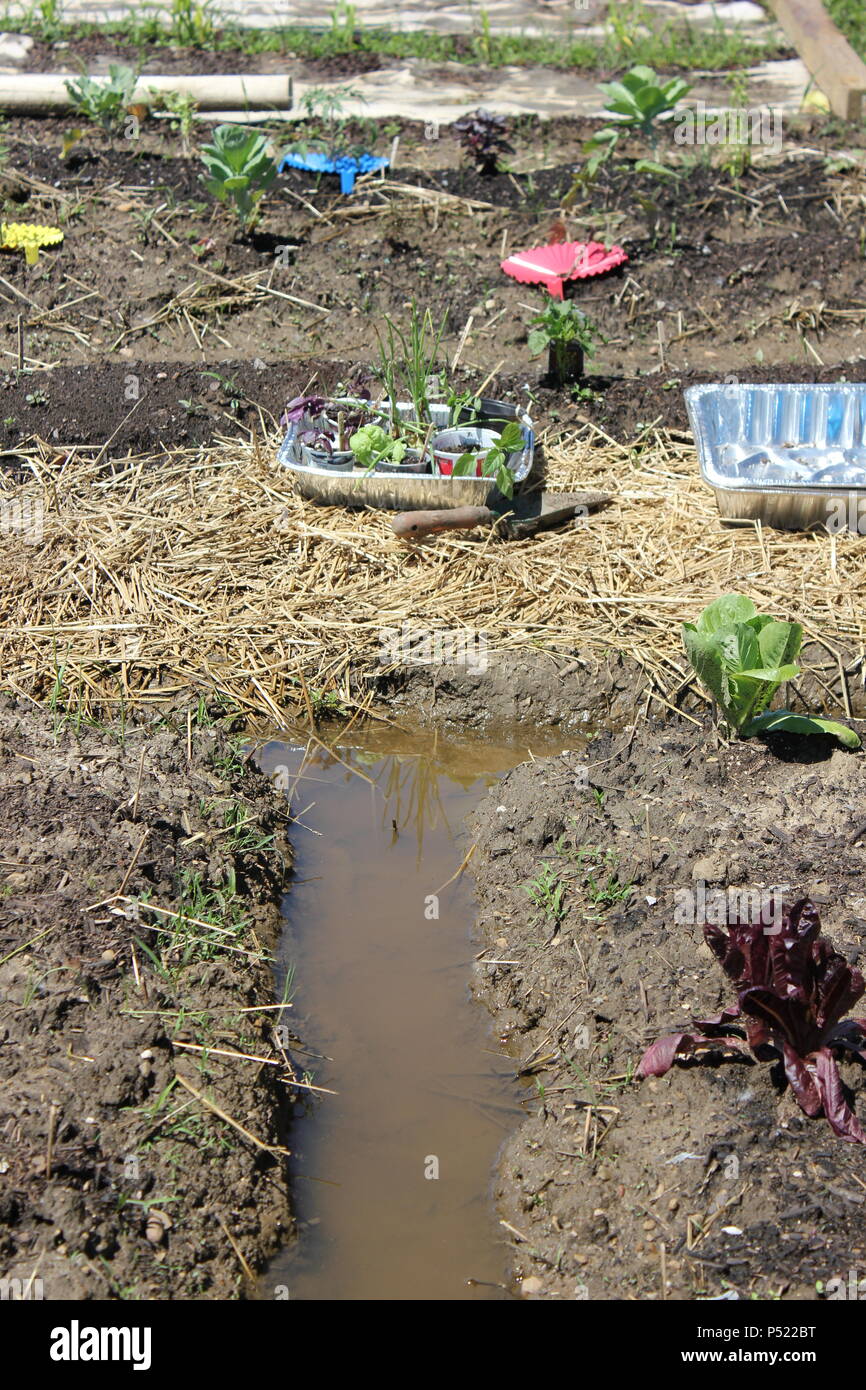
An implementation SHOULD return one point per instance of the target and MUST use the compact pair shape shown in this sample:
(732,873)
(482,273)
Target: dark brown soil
(711,1173)
(763,271)
(159,57)
(186,405)
(103,49)
(583,693)
(107,1002)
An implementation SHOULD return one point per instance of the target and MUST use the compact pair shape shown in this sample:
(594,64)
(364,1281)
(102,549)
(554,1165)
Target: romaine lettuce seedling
(792,989)
(742,657)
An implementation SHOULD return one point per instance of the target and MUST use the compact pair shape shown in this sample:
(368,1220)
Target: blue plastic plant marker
(347,166)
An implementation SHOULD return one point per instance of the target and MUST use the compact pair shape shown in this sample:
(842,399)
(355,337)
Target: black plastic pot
(564,363)
(411,462)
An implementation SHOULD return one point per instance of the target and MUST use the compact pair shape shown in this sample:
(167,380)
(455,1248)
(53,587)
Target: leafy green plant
(742,657)
(546,892)
(103,100)
(634,103)
(495,463)
(561,325)
(458,401)
(240,169)
(192,23)
(181,109)
(46,17)
(371,445)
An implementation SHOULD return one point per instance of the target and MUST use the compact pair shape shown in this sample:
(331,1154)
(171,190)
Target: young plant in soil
(635,105)
(326,105)
(792,990)
(105,101)
(484,137)
(181,110)
(194,23)
(568,335)
(742,657)
(241,170)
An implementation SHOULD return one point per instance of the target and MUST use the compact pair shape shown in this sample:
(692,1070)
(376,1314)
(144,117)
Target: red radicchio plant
(792,991)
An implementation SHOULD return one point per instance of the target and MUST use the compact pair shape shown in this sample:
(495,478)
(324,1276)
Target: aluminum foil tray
(791,456)
(409,492)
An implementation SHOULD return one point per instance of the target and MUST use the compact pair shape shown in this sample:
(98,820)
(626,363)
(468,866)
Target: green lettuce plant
(742,657)
(371,445)
(240,169)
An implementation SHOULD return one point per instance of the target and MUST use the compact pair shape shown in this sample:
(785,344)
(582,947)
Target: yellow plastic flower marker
(28,237)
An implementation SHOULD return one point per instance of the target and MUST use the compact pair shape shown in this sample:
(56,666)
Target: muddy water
(392,1175)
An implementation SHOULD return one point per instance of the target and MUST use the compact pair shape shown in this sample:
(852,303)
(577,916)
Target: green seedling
(742,657)
(635,104)
(562,326)
(104,100)
(546,892)
(495,463)
(240,169)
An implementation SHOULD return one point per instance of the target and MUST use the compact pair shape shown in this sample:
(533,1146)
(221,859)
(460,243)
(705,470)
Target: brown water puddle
(380,985)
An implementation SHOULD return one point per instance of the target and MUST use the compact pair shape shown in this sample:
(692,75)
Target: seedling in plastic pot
(742,657)
(240,169)
(495,463)
(568,335)
(372,445)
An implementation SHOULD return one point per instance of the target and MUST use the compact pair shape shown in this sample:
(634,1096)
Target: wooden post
(831,60)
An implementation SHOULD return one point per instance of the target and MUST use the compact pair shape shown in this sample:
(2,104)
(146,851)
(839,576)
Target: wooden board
(831,60)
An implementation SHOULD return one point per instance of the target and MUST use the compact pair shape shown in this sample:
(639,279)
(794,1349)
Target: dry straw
(204,571)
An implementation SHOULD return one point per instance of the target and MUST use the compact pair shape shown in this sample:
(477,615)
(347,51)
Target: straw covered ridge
(146,578)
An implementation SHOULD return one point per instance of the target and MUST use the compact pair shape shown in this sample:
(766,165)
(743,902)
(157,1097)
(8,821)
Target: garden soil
(119,1181)
(708,1181)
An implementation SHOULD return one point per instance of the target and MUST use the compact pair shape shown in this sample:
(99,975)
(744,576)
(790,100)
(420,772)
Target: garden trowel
(525,516)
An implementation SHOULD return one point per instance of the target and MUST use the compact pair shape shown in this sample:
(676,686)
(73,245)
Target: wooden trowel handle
(414,526)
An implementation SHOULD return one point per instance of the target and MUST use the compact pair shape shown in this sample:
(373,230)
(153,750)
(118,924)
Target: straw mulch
(204,571)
